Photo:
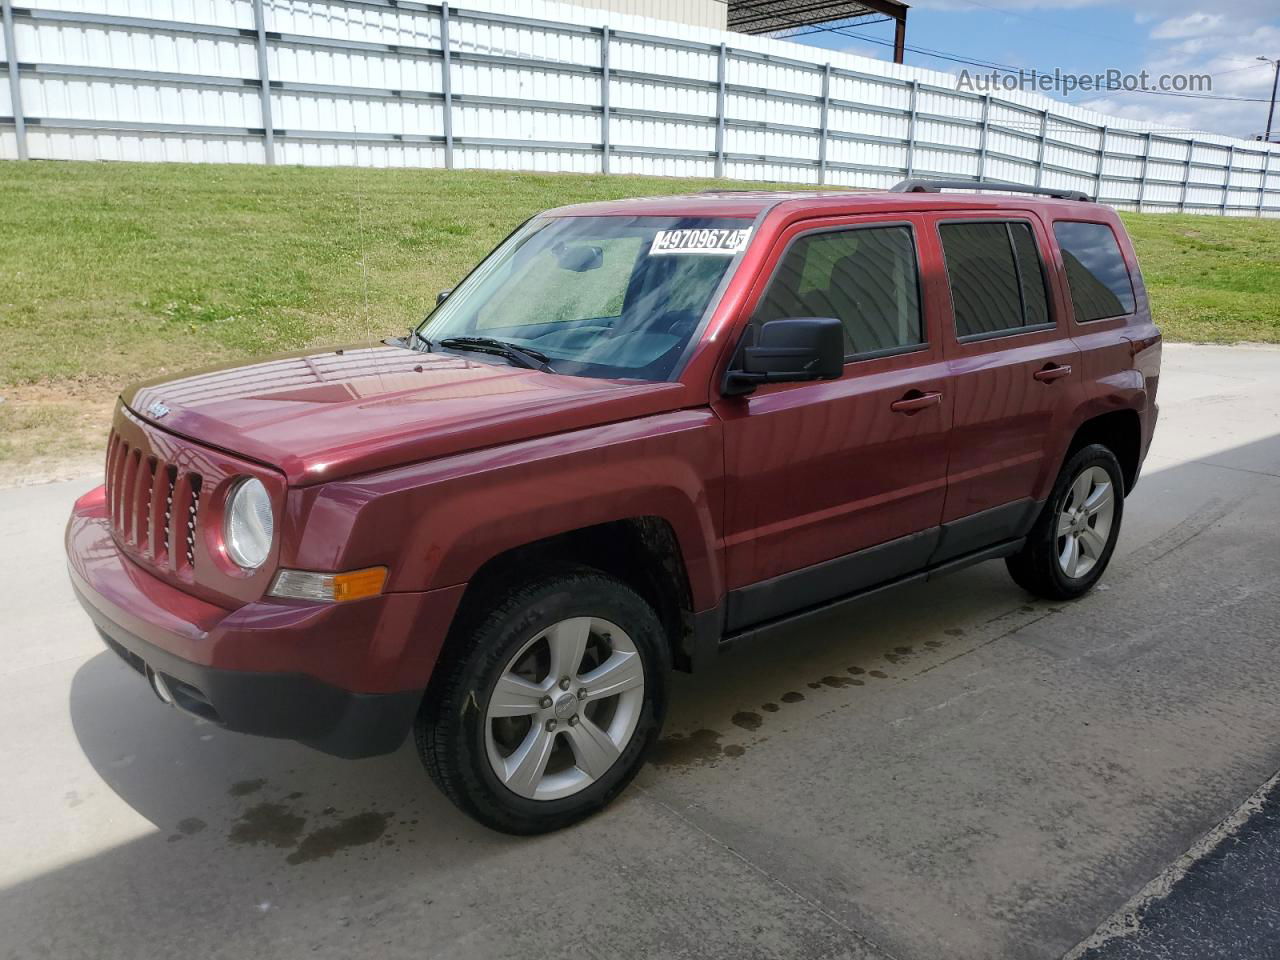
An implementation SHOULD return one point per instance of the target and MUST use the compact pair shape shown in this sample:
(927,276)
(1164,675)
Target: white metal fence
(403,83)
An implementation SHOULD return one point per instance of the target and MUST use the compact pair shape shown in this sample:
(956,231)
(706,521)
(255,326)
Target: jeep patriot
(637,432)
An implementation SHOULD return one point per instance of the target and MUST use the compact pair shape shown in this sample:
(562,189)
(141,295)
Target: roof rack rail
(924,185)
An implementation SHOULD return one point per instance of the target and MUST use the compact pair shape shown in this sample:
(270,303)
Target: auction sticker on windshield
(715,241)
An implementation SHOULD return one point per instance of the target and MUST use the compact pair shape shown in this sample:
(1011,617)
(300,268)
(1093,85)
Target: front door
(833,486)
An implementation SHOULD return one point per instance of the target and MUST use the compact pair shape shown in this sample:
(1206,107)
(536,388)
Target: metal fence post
(604,99)
(982,136)
(1226,180)
(1262,187)
(1044,132)
(15,84)
(1142,172)
(720,81)
(911,128)
(823,123)
(268,128)
(446,86)
(1102,161)
(1186,175)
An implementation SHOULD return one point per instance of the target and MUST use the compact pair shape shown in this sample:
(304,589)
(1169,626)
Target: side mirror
(443,295)
(789,350)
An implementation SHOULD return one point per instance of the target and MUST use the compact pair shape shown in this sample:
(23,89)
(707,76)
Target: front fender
(435,524)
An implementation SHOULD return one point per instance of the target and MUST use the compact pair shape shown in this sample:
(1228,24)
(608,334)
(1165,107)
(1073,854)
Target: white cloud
(1192,25)
(1181,38)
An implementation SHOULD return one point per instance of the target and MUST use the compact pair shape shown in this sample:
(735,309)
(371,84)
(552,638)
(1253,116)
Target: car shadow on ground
(187,777)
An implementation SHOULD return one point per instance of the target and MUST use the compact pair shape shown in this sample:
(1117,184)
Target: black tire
(1036,567)
(450,728)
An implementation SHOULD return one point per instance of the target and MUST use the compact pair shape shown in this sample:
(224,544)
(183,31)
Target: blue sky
(1162,36)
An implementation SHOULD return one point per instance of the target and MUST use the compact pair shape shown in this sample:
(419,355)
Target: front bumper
(346,679)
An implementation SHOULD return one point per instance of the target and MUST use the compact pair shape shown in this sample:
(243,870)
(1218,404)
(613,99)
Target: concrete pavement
(951,769)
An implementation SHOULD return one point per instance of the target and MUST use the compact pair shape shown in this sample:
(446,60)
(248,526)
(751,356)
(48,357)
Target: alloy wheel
(1084,522)
(564,708)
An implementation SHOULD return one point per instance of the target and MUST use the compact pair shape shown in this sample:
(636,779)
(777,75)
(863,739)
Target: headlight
(249,524)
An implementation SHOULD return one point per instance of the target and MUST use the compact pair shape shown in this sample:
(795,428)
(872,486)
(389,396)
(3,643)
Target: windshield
(617,297)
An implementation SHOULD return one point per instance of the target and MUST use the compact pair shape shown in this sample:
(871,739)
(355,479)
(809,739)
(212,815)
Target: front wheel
(1072,541)
(547,710)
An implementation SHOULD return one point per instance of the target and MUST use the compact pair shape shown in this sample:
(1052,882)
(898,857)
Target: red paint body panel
(432,465)
(818,470)
(1007,424)
(436,523)
(384,644)
(323,415)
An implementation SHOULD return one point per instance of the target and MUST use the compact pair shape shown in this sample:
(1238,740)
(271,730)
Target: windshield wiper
(412,341)
(521,356)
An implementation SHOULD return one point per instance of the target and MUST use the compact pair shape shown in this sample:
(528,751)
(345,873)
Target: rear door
(1015,374)
(835,485)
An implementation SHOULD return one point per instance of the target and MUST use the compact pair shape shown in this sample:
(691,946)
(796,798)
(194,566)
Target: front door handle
(915,401)
(1054,371)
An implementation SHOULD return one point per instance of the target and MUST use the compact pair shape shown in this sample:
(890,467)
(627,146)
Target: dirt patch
(53,432)
(354,831)
(267,824)
(839,682)
(684,750)
(242,788)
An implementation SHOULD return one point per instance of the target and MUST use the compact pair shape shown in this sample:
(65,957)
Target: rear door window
(866,277)
(996,277)
(1096,271)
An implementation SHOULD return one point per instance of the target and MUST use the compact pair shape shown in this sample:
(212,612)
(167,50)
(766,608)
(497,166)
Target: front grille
(145,495)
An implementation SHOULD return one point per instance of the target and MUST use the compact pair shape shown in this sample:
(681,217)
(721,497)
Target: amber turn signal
(329,587)
(359,584)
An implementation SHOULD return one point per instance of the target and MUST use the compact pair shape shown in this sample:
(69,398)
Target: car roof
(751,203)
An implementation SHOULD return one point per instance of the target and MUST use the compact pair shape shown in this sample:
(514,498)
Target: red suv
(637,432)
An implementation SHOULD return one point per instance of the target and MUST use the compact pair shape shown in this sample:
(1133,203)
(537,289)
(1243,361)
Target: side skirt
(994,552)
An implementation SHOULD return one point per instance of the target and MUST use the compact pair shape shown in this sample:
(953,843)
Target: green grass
(116,271)
(1211,279)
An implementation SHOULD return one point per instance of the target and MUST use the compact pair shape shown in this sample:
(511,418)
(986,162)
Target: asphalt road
(952,770)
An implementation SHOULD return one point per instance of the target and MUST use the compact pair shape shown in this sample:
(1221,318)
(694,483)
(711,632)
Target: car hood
(321,415)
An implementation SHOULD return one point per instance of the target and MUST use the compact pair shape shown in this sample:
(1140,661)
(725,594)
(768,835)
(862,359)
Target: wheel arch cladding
(1120,431)
(642,551)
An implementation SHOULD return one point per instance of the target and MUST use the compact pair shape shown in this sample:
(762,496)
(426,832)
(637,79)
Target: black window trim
(1051,324)
(924,343)
(1128,271)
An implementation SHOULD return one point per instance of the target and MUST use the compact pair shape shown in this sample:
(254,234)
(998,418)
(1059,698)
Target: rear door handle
(1053,372)
(915,401)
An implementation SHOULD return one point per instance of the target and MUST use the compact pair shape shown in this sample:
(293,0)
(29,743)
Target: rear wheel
(1072,541)
(549,710)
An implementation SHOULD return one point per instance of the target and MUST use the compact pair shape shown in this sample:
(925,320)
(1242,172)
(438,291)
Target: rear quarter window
(1096,272)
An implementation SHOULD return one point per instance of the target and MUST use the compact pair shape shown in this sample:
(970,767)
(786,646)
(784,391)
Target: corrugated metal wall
(542,86)
(698,13)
